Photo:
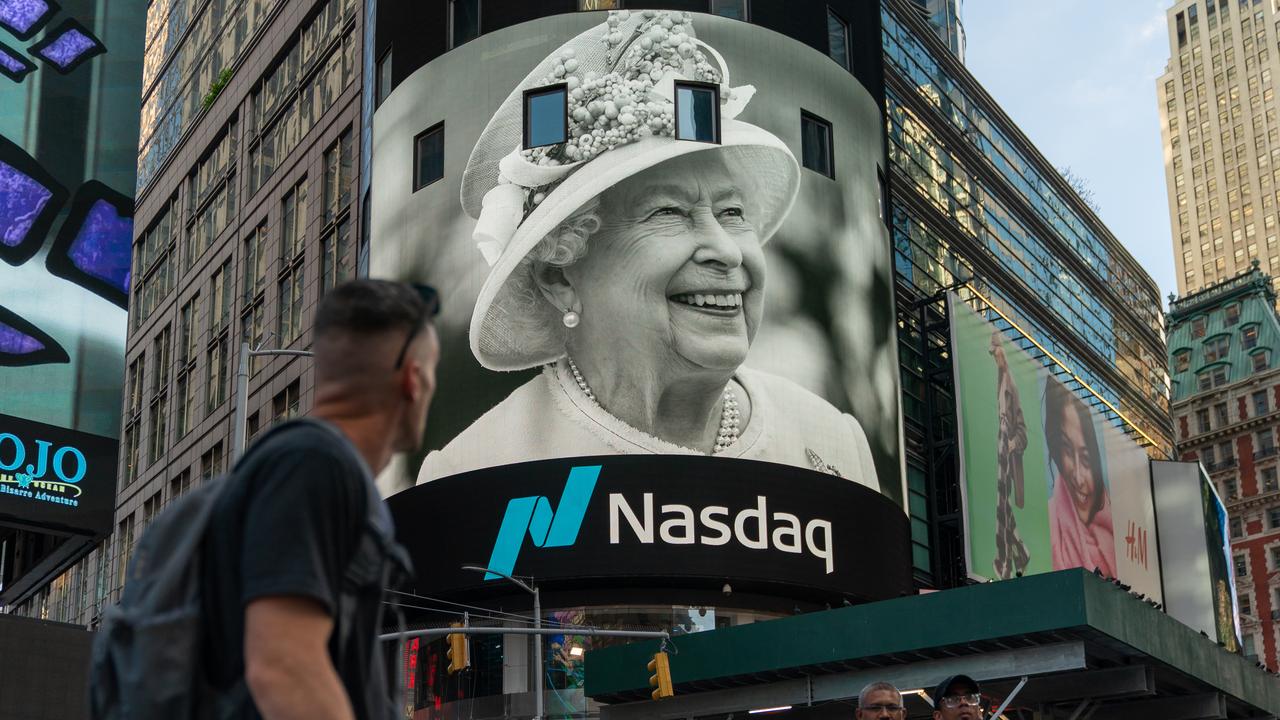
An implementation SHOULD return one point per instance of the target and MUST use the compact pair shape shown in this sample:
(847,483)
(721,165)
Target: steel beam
(1207,706)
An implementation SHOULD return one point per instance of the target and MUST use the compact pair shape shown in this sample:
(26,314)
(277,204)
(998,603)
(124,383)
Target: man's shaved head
(361,326)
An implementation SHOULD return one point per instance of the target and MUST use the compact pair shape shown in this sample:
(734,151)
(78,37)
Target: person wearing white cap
(630,265)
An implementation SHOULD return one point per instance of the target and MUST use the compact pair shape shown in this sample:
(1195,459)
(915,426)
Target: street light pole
(242,392)
(537,627)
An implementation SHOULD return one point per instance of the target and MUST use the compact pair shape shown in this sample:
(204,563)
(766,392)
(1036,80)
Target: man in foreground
(880,701)
(301,546)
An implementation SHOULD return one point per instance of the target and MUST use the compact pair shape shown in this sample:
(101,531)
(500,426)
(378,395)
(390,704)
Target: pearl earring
(571,319)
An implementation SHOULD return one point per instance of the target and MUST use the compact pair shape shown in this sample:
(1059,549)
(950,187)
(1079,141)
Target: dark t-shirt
(300,507)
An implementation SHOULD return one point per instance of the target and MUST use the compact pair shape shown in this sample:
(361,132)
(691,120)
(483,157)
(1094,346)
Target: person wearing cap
(880,701)
(957,698)
(629,266)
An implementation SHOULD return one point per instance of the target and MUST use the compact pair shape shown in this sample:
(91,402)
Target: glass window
(1260,403)
(1273,518)
(697,112)
(1230,489)
(428,157)
(464,19)
(1198,326)
(1216,349)
(1249,337)
(1202,420)
(1265,442)
(384,77)
(1242,566)
(1232,312)
(1181,360)
(546,116)
(837,38)
(815,144)
(1270,483)
(1220,416)
(1237,530)
(735,9)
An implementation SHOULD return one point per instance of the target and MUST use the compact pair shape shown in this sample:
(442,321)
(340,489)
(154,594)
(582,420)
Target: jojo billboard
(1047,483)
(654,233)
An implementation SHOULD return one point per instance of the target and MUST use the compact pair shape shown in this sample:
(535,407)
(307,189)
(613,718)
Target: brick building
(1226,408)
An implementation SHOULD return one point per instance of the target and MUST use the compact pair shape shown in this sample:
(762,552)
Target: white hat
(621,78)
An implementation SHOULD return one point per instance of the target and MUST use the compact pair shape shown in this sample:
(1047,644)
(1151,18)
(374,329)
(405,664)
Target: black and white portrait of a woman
(629,268)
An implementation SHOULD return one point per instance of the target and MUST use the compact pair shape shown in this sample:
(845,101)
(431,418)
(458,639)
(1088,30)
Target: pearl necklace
(729,413)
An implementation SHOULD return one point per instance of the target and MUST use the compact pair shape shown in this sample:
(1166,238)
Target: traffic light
(660,681)
(459,657)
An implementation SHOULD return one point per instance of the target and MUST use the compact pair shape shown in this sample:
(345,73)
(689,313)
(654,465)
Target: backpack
(148,660)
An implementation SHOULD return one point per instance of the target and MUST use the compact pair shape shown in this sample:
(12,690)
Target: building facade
(976,208)
(946,18)
(1226,395)
(246,212)
(1221,139)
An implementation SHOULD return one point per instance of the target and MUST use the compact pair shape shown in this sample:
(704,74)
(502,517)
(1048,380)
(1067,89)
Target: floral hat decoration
(621,85)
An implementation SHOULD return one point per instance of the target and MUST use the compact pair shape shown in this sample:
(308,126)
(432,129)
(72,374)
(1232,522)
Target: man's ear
(555,287)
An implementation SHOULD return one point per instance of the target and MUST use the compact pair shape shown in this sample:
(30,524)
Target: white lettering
(761,541)
(618,505)
(726,534)
(822,551)
(685,521)
(792,528)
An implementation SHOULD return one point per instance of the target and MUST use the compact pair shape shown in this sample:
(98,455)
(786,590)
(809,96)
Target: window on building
(1237,528)
(1246,604)
(1202,420)
(1265,442)
(1273,518)
(697,112)
(158,414)
(1221,417)
(124,550)
(216,389)
(815,144)
(293,223)
(211,463)
(1269,480)
(1181,361)
(428,157)
(837,38)
(384,77)
(1212,378)
(1260,406)
(1216,348)
(1274,556)
(1231,315)
(1248,646)
(221,289)
(285,405)
(1208,456)
(337,257)
(180,484)
(1259,360)
(735,9)
(1242,565)
(185,367)
(464,21)
(1231,488)
(546,115)
(1198,326)
(289,319)
(1249,337)
(338,176)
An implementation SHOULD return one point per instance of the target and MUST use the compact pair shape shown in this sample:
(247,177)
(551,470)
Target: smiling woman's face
(676,271)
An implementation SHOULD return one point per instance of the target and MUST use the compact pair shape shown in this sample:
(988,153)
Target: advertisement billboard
(68,156)
(1194,539)
(623,523)
(654,233)
(1048,483)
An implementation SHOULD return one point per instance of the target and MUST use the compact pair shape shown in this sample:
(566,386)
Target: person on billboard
(1011,442)
(629,265)
(1080,528)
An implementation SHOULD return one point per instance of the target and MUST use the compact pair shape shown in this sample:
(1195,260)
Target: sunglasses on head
(431,299)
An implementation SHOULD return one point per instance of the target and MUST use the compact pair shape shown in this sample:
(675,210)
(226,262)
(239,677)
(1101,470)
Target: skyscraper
(1221,138)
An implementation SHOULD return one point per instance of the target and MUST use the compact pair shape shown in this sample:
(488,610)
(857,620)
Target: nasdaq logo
(546,527)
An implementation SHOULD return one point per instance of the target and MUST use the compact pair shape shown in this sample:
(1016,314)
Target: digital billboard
(654,233)
(1048,483)
(1194,539)
(68,153)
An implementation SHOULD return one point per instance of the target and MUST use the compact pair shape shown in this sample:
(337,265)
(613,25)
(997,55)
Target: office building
(1221,139)
(1226,400)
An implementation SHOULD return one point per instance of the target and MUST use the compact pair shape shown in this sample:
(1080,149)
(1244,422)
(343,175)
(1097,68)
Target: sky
(1079,78)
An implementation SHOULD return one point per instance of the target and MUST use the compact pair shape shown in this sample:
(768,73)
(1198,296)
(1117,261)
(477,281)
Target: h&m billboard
(693,267)
(1048,483)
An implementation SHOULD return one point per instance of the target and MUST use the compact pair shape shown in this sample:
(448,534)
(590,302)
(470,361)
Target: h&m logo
(547,528)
